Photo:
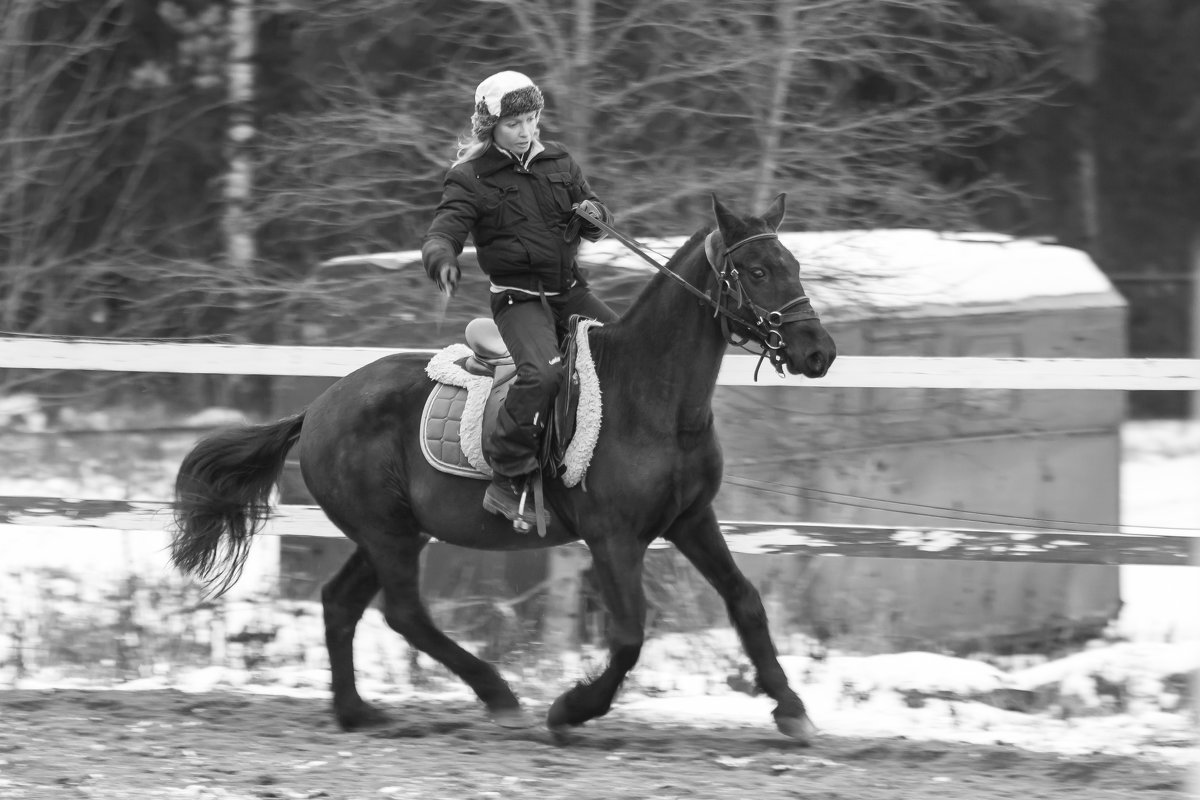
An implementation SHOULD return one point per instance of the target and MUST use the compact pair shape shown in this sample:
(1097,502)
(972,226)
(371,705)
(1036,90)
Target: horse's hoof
(556,717)
(512,718)
(801,728)
(362,716)
(562,729)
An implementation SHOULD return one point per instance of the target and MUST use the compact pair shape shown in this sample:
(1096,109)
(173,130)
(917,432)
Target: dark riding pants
(533,339)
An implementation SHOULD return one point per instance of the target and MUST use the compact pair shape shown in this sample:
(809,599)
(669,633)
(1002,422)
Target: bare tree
(111,125)
(853,105)
(869,112)
(88,129)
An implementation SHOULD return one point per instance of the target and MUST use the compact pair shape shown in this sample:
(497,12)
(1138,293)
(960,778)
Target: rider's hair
(472,143)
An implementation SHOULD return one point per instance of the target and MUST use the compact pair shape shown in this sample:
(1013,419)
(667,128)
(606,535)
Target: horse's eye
(758,273)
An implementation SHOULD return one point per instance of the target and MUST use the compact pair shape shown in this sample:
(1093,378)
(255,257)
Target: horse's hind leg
(397,561)
(344,598)
(700,540)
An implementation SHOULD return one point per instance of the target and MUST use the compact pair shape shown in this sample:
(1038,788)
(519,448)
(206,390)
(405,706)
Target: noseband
(763,326)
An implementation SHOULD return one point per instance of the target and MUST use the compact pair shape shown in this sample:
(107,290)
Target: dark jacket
(520,218)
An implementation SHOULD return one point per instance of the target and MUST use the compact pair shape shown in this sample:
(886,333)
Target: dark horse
(656,468)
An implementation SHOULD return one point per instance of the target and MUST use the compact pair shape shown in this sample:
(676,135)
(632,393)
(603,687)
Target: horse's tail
(222,496)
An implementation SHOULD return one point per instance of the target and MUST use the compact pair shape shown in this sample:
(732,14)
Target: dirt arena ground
(151,744)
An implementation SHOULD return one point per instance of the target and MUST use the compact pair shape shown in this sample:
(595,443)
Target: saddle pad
(441,432)
(452,422)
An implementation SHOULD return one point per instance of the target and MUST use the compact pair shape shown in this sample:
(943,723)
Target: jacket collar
(535,149)
(494,159)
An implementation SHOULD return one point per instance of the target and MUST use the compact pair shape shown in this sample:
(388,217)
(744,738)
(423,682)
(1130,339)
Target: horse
(655,470)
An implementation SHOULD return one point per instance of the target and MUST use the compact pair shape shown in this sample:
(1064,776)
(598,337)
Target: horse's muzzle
(815,360)
(817,364)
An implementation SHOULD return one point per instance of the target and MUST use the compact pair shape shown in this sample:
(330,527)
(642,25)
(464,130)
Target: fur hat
(503,95)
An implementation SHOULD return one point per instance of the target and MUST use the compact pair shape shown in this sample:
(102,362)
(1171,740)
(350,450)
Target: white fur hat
(505,94)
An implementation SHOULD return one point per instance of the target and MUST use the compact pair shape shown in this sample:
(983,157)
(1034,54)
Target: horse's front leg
(617,567)
(698,536)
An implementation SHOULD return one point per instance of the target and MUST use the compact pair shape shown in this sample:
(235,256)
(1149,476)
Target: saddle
(471,383)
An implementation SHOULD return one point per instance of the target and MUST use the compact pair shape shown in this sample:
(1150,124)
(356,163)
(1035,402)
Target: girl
(517,196)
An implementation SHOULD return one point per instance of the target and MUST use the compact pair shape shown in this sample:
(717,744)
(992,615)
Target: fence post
(560,625)
(1194,316)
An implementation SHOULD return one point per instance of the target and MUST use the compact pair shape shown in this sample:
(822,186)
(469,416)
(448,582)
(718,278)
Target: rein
(764,330)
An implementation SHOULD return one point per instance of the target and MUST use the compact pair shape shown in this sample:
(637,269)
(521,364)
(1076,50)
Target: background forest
(180,168)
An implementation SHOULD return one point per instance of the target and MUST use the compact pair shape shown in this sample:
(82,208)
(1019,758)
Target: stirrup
(521,515)
(519,522)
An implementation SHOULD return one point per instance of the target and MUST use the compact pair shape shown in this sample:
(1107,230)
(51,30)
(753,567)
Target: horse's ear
(774,214)
(726,221)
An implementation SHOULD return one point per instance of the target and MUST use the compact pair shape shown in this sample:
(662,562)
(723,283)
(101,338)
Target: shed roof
(918,272)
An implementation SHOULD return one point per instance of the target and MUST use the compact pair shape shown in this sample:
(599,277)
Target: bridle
(764,330)
(730,301)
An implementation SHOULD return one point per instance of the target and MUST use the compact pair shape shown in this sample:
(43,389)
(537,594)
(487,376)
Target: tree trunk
(240,249)
(574,92)
(785,15)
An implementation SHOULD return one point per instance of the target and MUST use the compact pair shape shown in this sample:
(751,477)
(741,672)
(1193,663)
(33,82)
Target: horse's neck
(665,353)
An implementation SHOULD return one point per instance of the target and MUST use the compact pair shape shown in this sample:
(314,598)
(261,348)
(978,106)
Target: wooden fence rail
(747,537)
(1141,374)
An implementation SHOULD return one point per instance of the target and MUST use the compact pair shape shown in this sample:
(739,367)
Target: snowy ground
(1117,698)
(1160,487)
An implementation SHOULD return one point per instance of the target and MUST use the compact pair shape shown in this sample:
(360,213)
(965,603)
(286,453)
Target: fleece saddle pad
(452,422)
(441,426)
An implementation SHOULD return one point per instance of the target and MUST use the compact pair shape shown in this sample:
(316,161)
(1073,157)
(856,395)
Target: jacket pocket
(562,188)
(503,206)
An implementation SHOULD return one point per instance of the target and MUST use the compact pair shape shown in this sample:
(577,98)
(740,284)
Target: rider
(516,196)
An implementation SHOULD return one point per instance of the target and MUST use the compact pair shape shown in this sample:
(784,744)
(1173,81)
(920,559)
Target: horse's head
(759,283)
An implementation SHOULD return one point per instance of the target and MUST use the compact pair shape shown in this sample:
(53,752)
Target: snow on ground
(701,680)
(1160,487)
(885,711)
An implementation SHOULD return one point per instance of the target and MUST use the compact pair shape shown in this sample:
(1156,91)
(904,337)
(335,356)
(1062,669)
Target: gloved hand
(447,278)
(590,230)
(590,208)
(441,264)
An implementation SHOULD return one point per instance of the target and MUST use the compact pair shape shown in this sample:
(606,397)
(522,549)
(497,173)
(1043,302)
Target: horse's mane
(649,290)
(685,251)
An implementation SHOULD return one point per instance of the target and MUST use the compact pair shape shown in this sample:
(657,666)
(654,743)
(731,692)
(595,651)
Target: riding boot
(513,498)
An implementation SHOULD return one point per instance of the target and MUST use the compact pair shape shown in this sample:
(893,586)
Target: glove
(591,208)
(447,278)
(590,231)
(441,264)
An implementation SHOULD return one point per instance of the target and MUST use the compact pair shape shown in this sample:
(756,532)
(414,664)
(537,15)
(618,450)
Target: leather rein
(764,330)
